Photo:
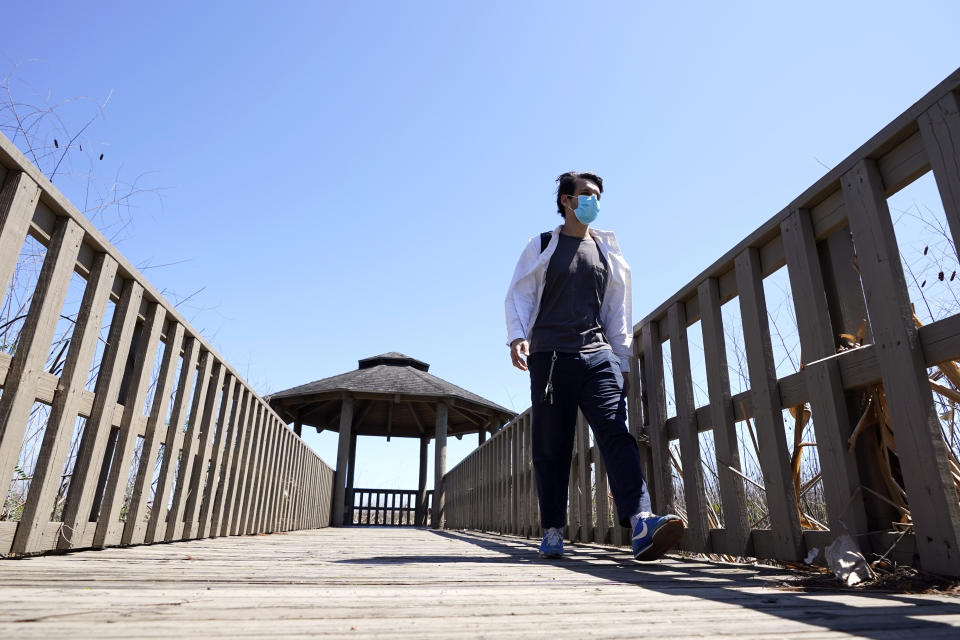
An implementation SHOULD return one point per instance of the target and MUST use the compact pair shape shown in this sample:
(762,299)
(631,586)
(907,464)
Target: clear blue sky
(349,178)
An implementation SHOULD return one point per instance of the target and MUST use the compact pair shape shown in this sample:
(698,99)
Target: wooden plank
(76,512)
(252,472)
(31,535)
(218,504)
(109,528)
(234,494)
(584,485)
(18,199)
(516,479)
(33,345)
(656,418)
(277,481)
(198,478)
(213,491)
(831,422)
(920,448)
(156,525)
(135,526)
(697,536)
(175,516)
(269,476)
(768,419)
(721,418)
(940,130)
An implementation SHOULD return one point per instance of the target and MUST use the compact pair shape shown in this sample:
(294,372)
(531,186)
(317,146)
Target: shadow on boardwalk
(867,614)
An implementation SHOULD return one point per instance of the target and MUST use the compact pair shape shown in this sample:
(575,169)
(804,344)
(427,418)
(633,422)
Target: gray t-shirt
(569,316)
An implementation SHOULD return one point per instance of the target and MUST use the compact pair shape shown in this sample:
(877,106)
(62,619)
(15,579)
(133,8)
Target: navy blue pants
(593,383)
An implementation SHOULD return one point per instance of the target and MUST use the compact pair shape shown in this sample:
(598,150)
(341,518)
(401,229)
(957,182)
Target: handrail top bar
(13,160)
(901,128)
(358,489)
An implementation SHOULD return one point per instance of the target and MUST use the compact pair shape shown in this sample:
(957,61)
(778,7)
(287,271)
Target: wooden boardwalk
(387,582)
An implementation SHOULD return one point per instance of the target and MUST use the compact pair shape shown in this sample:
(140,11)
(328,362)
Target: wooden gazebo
(390,395)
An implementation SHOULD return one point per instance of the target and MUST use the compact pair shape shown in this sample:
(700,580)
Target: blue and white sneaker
(653,536)
(552,544)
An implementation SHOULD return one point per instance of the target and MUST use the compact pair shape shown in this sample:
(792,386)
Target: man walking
(569,313)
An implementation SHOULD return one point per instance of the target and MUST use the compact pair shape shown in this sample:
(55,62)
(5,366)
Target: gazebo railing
(169,444)
(389,507)
(842,257)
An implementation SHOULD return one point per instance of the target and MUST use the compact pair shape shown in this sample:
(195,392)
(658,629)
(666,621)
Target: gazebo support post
(298,428)
(343,460)
(350,472)
(439,465)
(421,516)
(482,435)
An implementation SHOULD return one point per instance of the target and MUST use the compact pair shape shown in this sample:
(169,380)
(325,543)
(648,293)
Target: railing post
(920,447)
(697,536)
(768,417)
(31,532)
(662,483)
(732,495)
(76,513)
(20,387)
(181,492)
(831,422)
(133,528)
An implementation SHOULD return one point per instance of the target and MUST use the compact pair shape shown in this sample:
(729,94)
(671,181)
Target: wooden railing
(396,507)
(838,244)
(229,466)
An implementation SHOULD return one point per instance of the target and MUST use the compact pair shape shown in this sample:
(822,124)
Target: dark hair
(567,183)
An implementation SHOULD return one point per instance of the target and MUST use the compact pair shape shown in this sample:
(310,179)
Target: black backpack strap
(545,240)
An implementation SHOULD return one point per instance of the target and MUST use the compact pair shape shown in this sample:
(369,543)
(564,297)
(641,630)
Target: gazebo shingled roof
(395,396)
(389,395)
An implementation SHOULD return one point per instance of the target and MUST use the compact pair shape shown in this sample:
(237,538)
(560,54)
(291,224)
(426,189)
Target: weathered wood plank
(656,418)
(235,486)
(584,485)
(252,471)
(109,528)
(76,513)
(65,407)
(18,199)
(721,417)
(831,420)
(697,536)
(33,345)
(201,464)
(191,439)
(771,437)
(940,129)
(920,448)
(156,526)
(135,526)
(213,492)
(476,583)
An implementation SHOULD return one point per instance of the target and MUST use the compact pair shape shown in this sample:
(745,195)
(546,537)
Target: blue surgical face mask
(587,209)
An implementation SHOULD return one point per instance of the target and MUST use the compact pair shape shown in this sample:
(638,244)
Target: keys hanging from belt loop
(548,390)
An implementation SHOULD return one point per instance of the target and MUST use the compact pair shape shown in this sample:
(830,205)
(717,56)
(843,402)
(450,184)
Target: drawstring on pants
(548,390)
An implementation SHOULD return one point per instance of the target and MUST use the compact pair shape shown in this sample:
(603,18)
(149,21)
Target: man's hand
(518,349)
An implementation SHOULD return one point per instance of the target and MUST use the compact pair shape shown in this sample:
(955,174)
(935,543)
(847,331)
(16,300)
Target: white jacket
(526,288)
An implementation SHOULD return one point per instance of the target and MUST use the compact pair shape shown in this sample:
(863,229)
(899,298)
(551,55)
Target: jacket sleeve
(618,316)
(521,296)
